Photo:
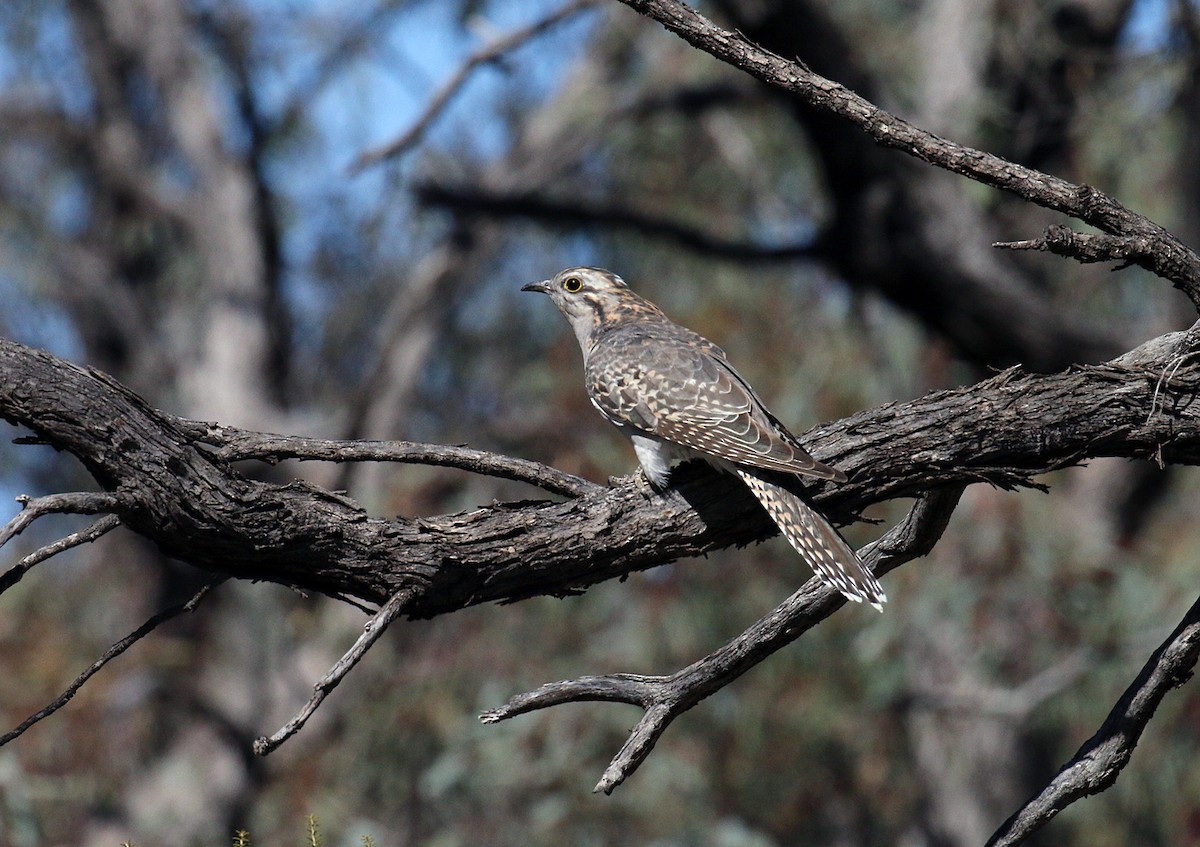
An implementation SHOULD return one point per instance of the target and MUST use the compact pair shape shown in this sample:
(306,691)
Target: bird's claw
(643,483)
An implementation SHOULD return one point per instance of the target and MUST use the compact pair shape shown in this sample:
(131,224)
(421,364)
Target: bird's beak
(543,286)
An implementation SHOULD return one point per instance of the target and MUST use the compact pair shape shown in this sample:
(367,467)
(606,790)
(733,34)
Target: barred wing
(678,386)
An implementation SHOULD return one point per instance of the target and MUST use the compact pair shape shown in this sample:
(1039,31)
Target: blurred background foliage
(178,207)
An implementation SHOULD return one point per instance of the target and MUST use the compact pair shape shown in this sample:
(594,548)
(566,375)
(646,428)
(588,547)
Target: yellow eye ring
(572,284)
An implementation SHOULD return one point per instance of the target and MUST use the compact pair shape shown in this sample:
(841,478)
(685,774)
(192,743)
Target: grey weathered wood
(176,492)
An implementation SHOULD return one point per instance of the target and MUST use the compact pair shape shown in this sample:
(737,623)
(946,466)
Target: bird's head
(588,297)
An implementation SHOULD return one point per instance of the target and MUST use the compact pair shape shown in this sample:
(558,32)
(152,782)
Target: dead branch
(664,698)
(166,483)
(1165,255)
(74,503)
(14,574)
(196,507)
(111,653)
(1085,247)
(374,628)
(235,445)
(1098,763)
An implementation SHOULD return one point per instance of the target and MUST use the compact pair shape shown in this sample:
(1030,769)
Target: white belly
(657,457)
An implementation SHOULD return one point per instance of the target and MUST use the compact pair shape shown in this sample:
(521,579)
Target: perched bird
(674,393)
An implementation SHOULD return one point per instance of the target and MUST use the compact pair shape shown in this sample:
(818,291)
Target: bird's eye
(572,284)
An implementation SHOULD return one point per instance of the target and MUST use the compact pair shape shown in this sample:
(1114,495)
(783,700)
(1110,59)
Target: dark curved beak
(543,286)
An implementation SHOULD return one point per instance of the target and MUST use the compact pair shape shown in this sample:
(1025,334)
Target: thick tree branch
(665,698)
(1099,762)
(193,505)
(1154,248)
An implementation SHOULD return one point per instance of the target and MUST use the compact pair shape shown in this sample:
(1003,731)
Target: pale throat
(584,325)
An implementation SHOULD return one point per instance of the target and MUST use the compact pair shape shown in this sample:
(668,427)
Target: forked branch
(664,698)
(174,488)
(74,503)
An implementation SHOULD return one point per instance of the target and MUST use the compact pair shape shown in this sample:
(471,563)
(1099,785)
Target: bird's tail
(822,546)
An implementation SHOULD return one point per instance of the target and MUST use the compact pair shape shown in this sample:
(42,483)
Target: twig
(374,628)
(486,55)
(1086,247)
(1098,763)
(14,574)
(238,445)
(1168,257)
(75,503)
(111,653)
(665,698)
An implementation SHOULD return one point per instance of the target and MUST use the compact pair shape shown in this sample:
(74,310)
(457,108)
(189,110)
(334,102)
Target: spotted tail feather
(827,553)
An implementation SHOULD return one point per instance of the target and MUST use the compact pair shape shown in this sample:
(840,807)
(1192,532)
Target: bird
(676,396)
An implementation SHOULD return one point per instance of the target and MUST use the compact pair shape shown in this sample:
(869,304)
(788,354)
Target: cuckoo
(677,397)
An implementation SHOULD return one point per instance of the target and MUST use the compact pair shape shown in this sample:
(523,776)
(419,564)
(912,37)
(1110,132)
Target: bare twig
(1098,763)
(484,56)
(665,698)
(111,653)
(74,503)
(14,574)
(1167,257)
(374,628)
(238,444)
(1086,247)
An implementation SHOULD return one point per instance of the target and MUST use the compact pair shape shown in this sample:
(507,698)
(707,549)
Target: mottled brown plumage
(675,394)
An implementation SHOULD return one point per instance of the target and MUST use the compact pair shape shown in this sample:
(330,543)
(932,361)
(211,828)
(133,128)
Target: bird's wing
(684,391)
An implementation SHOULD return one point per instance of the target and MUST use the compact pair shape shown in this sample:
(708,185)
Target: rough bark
(174,489)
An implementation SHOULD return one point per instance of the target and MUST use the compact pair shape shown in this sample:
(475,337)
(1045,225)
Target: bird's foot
(644,484)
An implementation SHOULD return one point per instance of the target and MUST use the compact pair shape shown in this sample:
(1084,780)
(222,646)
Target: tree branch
(196,507)
(111,653)
(165,484)
(374,628)
(235,445)
(1085,247)
(665,698)
(1155,249)
(76,503)
(14,574)
(486,55)
(1098,763)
